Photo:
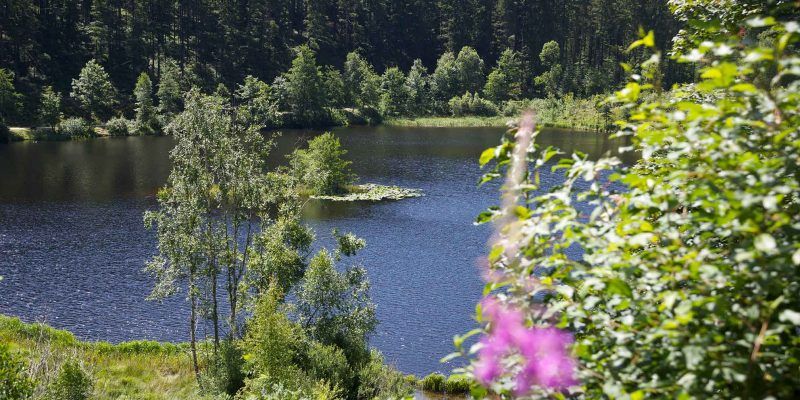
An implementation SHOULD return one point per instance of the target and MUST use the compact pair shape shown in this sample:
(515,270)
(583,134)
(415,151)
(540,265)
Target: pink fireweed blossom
(545,351)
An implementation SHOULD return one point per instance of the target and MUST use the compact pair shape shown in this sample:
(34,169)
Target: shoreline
(138,368)
(44,134)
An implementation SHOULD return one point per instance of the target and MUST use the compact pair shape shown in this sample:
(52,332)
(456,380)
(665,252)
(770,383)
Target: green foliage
(75,128)
(120,126)
(321,169)
(146,123)
(469,70)
(256,102)
(456,75)
(305,85)
(418,88)
(380,381)
(361,83)
(10,100)
(457,384)
(283,253)
(334,87)
(550,80)
(218,184)
(72,383)
(567,111)
(272,343)
(471,104)
(94,91)
(433,382)
(50,107)
(14,383)
(394,93)
(170,92)
(505,81)
(688,285)
(224,372)
(335,306)
(444,80)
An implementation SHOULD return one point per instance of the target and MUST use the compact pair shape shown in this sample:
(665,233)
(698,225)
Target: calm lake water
(72,243)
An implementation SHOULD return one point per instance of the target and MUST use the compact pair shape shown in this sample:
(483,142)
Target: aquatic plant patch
(373,192)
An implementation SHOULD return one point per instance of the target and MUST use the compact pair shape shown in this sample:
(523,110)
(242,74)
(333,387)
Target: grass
(132,370)
(449,122)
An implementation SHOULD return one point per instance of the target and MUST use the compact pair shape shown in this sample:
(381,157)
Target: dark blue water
(72,243)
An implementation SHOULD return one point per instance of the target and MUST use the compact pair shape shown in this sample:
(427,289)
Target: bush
(688,283)
(433,382)
(14,384)
(75,127)
(380,381)
(321,169)
(225,371)
(471,104)
(456,384)
(119,126)
(72,383)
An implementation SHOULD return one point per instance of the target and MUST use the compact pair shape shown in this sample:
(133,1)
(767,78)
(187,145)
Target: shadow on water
(72,243)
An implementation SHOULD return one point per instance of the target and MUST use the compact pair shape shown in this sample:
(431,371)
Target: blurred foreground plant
(687,278)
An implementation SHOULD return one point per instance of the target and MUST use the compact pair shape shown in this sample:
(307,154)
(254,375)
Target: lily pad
(373,192)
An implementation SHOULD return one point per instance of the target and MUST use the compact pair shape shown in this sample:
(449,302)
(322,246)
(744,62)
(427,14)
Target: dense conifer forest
(46,43)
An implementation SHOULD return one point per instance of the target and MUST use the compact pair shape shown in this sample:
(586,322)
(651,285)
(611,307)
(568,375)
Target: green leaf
(618,286)
(487,156)
(649,40)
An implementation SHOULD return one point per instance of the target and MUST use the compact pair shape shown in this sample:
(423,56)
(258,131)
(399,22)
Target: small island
(321,172)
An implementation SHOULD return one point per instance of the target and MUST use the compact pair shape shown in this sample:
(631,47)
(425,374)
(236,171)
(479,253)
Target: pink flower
(545,350)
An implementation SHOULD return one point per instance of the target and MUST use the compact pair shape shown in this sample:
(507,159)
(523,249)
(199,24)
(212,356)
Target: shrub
(321,169)
(72,383)
(380,381)
(433,382)
(688,283)
(75,127)
(225,371)
(328,363)
(119,126)
(471,104)
(14,384)
(456,384)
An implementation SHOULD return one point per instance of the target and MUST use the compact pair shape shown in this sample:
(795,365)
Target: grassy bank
(563,112)
(448,122)
(132,370)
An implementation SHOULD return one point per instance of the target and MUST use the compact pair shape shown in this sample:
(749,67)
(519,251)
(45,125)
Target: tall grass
(139,370)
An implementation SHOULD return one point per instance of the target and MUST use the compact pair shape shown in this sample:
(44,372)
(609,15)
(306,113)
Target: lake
(72,243)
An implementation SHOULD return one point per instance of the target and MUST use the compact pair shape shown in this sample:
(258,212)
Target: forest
(407,58)
(655,254)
